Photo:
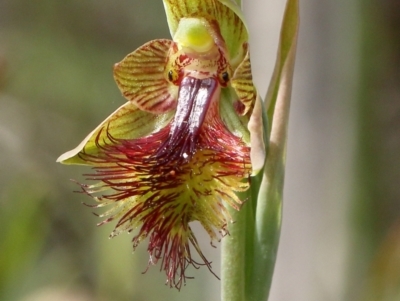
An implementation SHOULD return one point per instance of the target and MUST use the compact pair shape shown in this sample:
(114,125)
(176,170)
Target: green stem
(267,233)
(269,202)
(233,265)
(249,252)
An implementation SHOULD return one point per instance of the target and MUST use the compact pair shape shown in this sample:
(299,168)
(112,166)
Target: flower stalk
(262,226)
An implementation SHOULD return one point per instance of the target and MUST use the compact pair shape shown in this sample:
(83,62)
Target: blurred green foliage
(374,273)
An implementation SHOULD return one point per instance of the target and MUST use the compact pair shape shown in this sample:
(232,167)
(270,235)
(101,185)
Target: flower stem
(233,266)
(269,203)
(249,252)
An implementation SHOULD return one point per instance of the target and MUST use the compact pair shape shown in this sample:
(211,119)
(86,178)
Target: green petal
(127,122)
(225,12)
(142,78)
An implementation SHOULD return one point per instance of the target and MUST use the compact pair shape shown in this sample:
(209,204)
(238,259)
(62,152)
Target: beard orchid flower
(186,141)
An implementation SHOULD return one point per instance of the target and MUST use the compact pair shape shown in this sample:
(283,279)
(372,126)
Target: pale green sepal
(257,127)
(226,13)
(237,10)
(127,122)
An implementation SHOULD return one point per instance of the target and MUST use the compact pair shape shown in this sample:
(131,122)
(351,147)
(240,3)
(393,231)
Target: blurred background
(341,227)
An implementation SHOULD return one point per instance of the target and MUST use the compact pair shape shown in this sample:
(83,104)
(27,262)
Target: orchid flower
(188,139)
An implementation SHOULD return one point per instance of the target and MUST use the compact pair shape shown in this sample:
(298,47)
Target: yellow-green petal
(127,122)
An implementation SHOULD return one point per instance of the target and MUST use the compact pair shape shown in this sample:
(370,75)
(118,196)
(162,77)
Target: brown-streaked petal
(127,122)
(242,82)
(142,79)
